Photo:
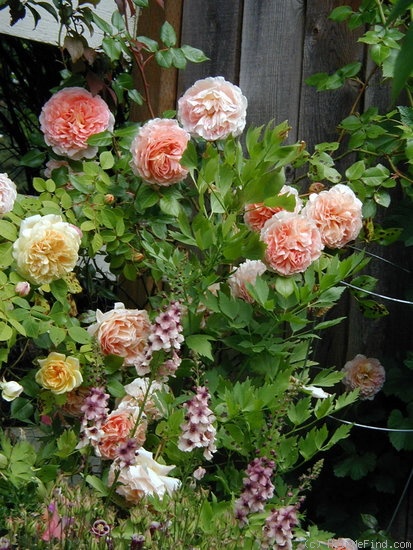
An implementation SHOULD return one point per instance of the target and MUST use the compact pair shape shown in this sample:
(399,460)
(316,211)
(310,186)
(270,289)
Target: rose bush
(208,373)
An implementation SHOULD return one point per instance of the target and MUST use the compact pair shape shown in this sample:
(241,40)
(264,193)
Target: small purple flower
(100,528)
(258,488)
(137,542)
(95,405)
(126,453)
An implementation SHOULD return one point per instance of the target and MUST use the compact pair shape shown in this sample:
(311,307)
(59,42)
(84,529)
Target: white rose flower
(247,272)
(213,109)
(8,194)
(10,390)
(47,248)
(145,477)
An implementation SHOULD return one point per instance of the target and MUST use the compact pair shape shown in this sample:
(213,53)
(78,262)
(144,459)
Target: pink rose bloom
(157,151)
(8,194)
(293,243)
(337,214)
(213,109)
(70,117)
(366,374)
(122,332)
(247,272)
(256,214)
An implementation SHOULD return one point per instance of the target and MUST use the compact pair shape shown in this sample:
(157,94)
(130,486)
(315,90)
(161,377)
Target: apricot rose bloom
(337,213)
(293,243)
(145,477)
(8,194)
(46,249)
(366,374)
(117,429)
(213,109)
(247,272)
(256,214)
(123,332)
(58,373)
(70,117)
(157,150)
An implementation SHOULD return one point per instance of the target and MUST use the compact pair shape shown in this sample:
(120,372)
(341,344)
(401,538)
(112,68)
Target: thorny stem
(141,67)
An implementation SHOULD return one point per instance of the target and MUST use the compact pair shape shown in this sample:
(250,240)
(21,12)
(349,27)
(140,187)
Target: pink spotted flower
(198,430)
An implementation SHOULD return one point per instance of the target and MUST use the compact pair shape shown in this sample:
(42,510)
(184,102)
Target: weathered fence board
(214,27)
(271,59)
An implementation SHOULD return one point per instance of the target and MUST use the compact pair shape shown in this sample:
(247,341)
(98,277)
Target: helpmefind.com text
(366,544)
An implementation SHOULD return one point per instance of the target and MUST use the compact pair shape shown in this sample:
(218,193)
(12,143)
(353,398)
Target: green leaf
(102,139)
(66,444)
(106,160)
(101,23)
(112,48)
(8,230)
(98,485)
(33,159)
(404,64)
(164,58)
(193,54)
(200,343)
(6,332)
(168,35)
(341,13)
(356,466)
(399,7)
(79,335)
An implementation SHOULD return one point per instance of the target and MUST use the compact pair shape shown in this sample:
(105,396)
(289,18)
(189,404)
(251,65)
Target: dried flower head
(366,374)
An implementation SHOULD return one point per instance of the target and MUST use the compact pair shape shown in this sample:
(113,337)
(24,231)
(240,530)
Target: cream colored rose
(58,373)
(142,392)
(123,332)
(47,248)
(213,109)
(8,193)
(247,272)
(10,390)
(145,477)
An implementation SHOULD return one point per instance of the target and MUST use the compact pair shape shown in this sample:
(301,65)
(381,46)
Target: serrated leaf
(200,343)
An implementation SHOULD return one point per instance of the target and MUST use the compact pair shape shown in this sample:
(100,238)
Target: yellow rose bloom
(58,373)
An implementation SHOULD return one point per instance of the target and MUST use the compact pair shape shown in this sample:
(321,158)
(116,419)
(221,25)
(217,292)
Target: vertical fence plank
(271,60)
(215,28)
(328,46)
